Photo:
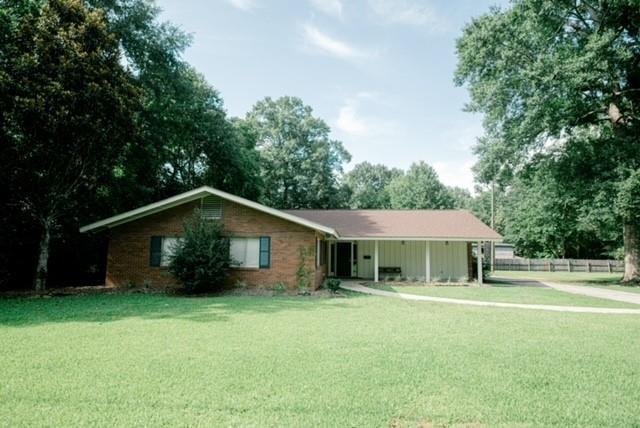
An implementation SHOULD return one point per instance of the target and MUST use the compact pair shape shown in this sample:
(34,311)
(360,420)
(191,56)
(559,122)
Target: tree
(462,199)
(300,164)
(186,139)
(628,204)
(543,71)
(367,185)
(67,109)
(419,188)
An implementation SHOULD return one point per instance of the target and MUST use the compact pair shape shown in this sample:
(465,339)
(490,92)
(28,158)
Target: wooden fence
(559,265)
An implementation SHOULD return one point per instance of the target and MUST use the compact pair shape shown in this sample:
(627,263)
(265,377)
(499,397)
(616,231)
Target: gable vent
(212,207)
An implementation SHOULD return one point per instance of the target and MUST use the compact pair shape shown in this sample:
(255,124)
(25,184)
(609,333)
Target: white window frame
(167,249)
(246,245)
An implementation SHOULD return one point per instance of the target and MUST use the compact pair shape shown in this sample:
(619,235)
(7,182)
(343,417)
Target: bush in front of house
(201,257)
(332,284)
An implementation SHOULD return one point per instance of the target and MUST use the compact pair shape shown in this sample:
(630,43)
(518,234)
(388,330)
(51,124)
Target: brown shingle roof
(437,224)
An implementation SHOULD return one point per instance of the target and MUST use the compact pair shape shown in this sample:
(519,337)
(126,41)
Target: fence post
(569,265)
(609,264)
(588,267)
(529,264)
(549,265)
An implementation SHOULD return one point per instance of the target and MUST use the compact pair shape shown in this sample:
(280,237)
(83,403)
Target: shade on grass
(151,360)
(507,294)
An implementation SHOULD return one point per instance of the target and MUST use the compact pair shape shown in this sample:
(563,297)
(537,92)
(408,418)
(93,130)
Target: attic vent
(212,207)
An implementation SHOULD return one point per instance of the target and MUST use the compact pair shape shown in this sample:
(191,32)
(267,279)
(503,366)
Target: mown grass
(154,360)
(504,292)
(610,281)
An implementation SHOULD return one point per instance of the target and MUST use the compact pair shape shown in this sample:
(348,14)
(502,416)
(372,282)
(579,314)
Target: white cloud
(330,45)
(455,173)
(245,5)
(408,12)
(352,122)
(330,7)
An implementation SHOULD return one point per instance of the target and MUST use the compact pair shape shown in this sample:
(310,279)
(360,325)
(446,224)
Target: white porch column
(427,262)
(351,261)
(479,259)
(375,262)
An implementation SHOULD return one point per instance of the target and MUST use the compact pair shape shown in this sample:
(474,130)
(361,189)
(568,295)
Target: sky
(379,72)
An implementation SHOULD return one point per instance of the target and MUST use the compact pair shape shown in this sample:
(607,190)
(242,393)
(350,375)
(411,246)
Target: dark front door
(343,262)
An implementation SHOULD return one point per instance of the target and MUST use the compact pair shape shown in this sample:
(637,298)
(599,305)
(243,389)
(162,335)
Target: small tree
(201,257)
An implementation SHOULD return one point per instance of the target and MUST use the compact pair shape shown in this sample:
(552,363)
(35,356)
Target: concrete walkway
(355,286)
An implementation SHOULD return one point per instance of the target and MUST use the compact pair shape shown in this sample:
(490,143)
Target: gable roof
(398,224)
(193,195)
(343,224)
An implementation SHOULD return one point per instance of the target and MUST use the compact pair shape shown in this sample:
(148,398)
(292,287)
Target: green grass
(153,360)
(507,294)
(610,281)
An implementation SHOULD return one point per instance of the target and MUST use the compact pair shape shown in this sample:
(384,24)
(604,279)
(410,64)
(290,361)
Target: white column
(375,262)
(427,261)
(351,259)
(479,259)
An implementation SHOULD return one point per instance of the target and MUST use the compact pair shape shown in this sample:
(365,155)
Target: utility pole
(492,256)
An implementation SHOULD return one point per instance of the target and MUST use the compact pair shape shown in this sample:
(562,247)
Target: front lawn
(506,293)
(610,281)
(154,360)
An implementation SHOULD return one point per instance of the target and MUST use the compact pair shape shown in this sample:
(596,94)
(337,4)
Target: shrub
(201,257)
(304,273)
(332,284)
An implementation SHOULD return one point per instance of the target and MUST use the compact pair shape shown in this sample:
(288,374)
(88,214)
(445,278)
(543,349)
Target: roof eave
(418,238)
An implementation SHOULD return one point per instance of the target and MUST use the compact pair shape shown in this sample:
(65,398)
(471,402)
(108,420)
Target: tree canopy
(300,164)
(67,109)
(559,78)
(367,185)
(419,188)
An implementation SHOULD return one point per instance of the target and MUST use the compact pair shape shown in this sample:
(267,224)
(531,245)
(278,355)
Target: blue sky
(379,72)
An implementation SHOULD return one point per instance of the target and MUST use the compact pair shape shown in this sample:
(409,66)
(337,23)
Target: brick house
(267,244)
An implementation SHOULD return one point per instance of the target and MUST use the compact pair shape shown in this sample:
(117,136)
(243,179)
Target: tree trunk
(43,259)
(631,252)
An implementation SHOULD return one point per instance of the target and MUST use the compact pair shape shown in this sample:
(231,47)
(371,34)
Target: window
(245,252)
(251,252)
(212,207)
(321,256)
(162,248)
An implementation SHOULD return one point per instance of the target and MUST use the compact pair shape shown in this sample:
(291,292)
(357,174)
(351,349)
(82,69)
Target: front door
(343,259)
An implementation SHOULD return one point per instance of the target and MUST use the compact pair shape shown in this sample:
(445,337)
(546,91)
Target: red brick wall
(129,247)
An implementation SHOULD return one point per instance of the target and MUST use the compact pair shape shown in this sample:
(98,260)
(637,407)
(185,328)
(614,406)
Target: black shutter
(156,251)
(265,252)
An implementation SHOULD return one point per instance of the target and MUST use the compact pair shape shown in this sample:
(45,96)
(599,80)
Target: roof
(343,224)
(193,195)
(402,224)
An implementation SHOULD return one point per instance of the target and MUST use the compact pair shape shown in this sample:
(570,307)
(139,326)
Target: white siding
(448,260)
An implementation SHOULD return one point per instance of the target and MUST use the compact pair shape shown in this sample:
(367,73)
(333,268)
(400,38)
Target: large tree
(186,139)
(300,163)
(544,71)
(67,111)
(367,185)
(419,188)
